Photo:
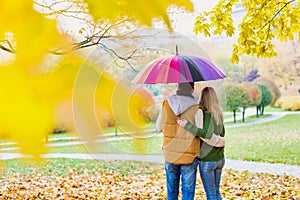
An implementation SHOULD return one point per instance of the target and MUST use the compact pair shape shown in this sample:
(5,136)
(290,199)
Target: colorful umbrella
(178,69)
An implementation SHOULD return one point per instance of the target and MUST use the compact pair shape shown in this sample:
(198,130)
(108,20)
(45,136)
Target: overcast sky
(202,5)
(185,22)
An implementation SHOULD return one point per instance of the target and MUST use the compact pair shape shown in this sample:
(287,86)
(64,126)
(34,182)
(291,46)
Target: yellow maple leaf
(142,11)
(24,118)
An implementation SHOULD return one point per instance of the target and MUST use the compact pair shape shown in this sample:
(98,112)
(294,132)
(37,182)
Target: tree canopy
(263,22)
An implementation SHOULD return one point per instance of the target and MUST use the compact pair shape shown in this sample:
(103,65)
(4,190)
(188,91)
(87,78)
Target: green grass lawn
(111,130)
(273,109)
(276,141)
(150,145)
(248,119)
(228,115)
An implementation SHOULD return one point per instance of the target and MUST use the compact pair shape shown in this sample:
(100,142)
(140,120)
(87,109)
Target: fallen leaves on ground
(129,180)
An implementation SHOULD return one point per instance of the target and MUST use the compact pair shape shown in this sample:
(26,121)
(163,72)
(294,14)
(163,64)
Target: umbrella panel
(178,69)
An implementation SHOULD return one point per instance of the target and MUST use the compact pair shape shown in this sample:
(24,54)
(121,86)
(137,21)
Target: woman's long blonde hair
(209,101)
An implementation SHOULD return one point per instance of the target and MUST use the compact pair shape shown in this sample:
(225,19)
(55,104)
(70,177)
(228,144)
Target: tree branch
(277,13)
(9,49)
(96,31)
(126,59)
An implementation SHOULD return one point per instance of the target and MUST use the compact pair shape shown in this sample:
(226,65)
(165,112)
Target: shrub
(288,103)
(272,87)
(266,98)
(255,93)
(266,95)
(145,109)
(153,113)
(148,104)
(237,96)
(60,128)
(63,116)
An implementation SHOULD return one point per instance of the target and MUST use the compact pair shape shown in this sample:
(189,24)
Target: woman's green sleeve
(205,132)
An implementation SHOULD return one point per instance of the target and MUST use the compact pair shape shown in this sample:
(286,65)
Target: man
(181,148)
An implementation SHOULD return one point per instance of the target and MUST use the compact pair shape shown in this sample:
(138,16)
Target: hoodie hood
(179,103)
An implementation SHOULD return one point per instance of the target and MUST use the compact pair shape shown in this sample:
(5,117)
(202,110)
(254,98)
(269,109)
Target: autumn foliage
(43,67)
(133,180)
(272,87)
(291,103)
(255,93)
(148,108)
(262,23)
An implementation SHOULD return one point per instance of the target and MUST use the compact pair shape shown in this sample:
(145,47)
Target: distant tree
(252,75)
(266,98)
(155,89)
(255,93)
(235,72)
(246,99)
(283,69)
(272,87)
(198,88)
(232,98)
(237,97)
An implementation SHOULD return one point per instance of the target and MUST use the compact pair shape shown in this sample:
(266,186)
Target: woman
(212,158)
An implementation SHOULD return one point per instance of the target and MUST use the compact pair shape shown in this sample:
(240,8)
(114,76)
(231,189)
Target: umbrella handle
(176,49)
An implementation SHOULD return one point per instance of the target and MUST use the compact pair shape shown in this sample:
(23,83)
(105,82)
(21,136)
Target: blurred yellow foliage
(31,93)
(142,11)
(23,116)
(33,34)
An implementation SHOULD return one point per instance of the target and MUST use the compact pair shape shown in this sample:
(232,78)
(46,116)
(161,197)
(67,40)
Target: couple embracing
(192,136)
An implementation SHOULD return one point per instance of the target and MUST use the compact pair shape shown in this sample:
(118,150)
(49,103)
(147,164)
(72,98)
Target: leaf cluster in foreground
(81,179)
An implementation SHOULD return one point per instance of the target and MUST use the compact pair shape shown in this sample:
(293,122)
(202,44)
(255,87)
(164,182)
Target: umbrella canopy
(178,69)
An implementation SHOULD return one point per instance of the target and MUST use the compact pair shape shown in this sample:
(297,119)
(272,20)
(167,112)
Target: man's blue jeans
(210,173)
(188,175)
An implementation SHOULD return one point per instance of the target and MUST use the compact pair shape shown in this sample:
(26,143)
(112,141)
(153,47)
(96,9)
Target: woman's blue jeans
(187,173)
(210,173)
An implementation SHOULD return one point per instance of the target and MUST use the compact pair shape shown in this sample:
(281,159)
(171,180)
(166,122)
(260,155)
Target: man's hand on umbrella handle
(181,122)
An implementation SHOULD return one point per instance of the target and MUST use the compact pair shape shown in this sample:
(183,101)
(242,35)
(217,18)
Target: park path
(239,165)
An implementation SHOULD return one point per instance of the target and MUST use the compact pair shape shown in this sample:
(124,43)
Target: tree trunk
(234,116)
(257,111)
(262,110)
(243,114)
(116,130)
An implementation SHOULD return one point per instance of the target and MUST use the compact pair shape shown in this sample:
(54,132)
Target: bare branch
(96,31)
(69,9)
(6,49)
(9,49)
(126,59)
